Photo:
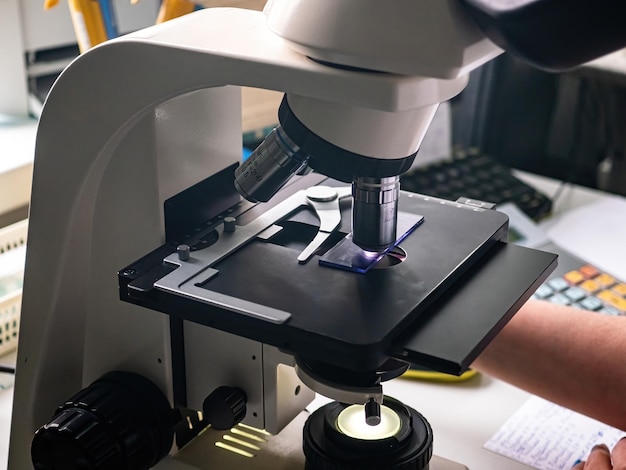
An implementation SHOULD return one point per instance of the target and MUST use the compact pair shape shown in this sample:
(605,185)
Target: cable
(559,191)
(7,369)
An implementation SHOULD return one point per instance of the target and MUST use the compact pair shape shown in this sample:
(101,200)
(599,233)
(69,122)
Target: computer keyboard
(474,175)
(587,288)
(575,281)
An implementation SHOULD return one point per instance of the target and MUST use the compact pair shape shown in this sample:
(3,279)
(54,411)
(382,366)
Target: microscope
(181,308)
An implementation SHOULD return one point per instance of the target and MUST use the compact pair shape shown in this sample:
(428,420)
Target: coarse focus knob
(225,407)
(122,421)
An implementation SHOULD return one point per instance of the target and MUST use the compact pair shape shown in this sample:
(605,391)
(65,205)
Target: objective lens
(375,212)
(269,167)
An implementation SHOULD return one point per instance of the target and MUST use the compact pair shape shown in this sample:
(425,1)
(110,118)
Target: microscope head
(361,145)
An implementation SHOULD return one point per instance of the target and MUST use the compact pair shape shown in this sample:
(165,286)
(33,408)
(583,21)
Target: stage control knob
(122,421)
(230,224)
(225,407)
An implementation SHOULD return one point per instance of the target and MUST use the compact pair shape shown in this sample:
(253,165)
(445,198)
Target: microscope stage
(250,283)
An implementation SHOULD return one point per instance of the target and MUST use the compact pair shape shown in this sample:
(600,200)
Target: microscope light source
(351,422)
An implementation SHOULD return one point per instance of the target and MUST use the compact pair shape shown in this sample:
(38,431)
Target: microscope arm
(552,35)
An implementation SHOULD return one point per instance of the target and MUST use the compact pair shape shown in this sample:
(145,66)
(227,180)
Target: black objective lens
(269,167)
(375,212)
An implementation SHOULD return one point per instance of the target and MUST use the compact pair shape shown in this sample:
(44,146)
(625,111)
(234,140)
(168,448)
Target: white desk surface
(565,196)
(463,415)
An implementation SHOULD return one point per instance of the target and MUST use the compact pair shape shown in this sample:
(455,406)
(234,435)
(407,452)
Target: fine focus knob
(122,421)
(225,407)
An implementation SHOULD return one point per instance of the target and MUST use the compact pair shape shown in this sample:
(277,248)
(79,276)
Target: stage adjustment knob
(225,407)
(122,421)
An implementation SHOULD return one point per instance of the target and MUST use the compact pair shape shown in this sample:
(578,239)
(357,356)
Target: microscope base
(280,452)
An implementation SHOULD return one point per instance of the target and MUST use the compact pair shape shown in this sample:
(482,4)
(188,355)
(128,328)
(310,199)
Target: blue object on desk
(108,17)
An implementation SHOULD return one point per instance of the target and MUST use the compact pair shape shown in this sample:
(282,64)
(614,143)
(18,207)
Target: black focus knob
(225,407)
(122,421)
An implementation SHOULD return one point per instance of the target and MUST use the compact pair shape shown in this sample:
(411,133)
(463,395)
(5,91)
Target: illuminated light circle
(351,422)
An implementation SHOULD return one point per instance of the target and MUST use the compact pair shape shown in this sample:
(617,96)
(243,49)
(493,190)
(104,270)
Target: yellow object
(590,286)
(173,9)
(605,280)
(88,23)
(87,19)
(613,299)
(574,277)
(620,289)
(432,376)
(47,4)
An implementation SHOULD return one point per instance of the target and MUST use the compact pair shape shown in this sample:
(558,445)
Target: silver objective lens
(375,212)
(269,167)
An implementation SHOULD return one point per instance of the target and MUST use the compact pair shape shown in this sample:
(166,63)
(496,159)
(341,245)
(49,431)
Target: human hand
(601,459)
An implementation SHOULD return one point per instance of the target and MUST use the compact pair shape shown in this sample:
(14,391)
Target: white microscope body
(139,119)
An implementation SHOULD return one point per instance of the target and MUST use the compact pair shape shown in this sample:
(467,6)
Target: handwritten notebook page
(546,436)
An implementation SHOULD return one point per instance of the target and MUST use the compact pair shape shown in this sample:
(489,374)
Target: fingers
(619,455)
(599,459)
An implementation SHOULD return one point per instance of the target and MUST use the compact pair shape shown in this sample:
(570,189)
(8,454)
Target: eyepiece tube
(269,167)
(375,212)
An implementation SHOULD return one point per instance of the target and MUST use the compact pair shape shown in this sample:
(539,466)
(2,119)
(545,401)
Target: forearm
(568,356)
